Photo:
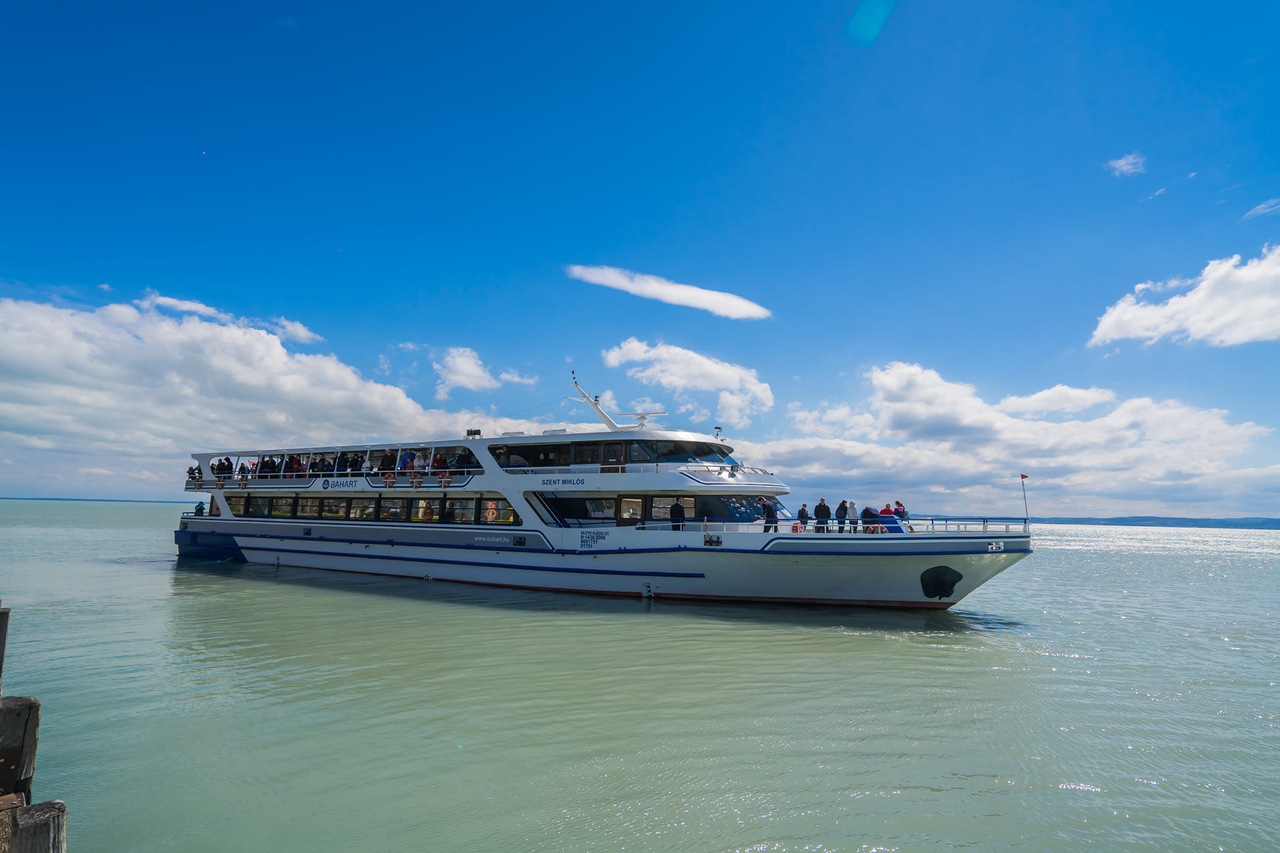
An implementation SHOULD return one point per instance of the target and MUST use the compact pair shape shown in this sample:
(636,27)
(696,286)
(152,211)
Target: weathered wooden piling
(39,828)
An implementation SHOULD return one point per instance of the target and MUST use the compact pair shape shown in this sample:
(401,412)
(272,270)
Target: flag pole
(1024,497)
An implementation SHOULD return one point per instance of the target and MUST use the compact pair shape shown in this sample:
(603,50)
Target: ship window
(733,508)
(660,508)
(308,507)
(362,507)
(454,459)
(258,507)
(334,508)
(640,452)
(693,451)
(459,511)
(422,509)
(586,454)
(497,511)
(236,504)
(630,510)
(392,509)
(282,507)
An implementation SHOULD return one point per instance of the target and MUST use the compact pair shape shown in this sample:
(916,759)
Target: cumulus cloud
(1129,164)
(1059,398)
(1271,205)
(652,287)
(741,393)
(461,367)
(938,442)
(133,389)
(1229,303)
(292,330)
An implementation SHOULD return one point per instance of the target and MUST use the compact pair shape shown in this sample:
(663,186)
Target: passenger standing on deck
(803,517)
(821,513)
(853,517)
(770,514)
(842,512)
(870,520)
(677,515)
(901,512)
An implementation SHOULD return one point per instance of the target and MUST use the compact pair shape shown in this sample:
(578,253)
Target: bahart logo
(326,485)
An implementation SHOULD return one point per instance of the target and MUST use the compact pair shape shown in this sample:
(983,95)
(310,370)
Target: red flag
(1024,476)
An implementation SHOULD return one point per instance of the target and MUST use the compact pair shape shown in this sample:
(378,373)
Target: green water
(1117,690)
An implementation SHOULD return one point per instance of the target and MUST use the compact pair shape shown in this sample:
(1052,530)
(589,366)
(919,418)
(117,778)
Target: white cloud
(1271,205)
(742,394)
(106,288)
(1129,164)
(652,287)
(1059,398)
(940,444)
(516,378)
(154,300)
(292,330)
(461,368)
(133,390)
(1228,304)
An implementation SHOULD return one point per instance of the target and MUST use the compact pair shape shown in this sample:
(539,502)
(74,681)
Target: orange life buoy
(220,482)
(490,515)
(444,480)
(415,481)
(389,480)
(243,482)
(199,484)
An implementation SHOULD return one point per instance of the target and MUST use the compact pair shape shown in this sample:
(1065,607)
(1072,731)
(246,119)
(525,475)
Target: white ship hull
(899,570)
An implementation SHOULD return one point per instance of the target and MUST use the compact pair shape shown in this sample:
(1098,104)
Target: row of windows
(609,453)
(473,510)
(626,509)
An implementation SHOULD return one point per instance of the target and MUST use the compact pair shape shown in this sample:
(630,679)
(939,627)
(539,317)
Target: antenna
(594,402)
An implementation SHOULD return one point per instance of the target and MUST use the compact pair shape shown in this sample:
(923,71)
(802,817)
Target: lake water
(1116,690)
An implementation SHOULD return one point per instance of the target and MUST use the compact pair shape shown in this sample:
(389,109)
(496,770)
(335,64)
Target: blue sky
(984,240)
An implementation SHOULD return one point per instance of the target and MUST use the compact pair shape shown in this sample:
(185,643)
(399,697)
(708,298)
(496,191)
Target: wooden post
(4,633)
(19,731)
(41,828)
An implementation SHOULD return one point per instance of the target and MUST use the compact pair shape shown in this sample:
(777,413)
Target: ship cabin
(557,477)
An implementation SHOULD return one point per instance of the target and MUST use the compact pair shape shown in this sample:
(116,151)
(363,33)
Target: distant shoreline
(93,500)
(1253,523)
(1163,521)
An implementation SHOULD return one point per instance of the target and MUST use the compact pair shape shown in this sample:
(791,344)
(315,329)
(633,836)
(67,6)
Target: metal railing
(922,526)
(634,468)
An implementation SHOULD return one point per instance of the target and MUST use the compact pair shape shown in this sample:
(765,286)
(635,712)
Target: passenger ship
(577,511)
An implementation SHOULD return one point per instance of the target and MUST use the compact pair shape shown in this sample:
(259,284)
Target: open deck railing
(635,468)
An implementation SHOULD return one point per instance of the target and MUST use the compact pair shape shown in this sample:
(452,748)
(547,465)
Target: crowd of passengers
(892,518)
(330,465)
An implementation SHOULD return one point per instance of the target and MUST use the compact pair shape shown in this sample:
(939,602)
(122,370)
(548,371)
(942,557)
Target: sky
(896,251)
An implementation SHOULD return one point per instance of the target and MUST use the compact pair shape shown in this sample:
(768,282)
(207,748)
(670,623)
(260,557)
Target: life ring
(199,484)
(444,480)
(243,482)
(415,481)
(219,483)
(490,515)
(389,480)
